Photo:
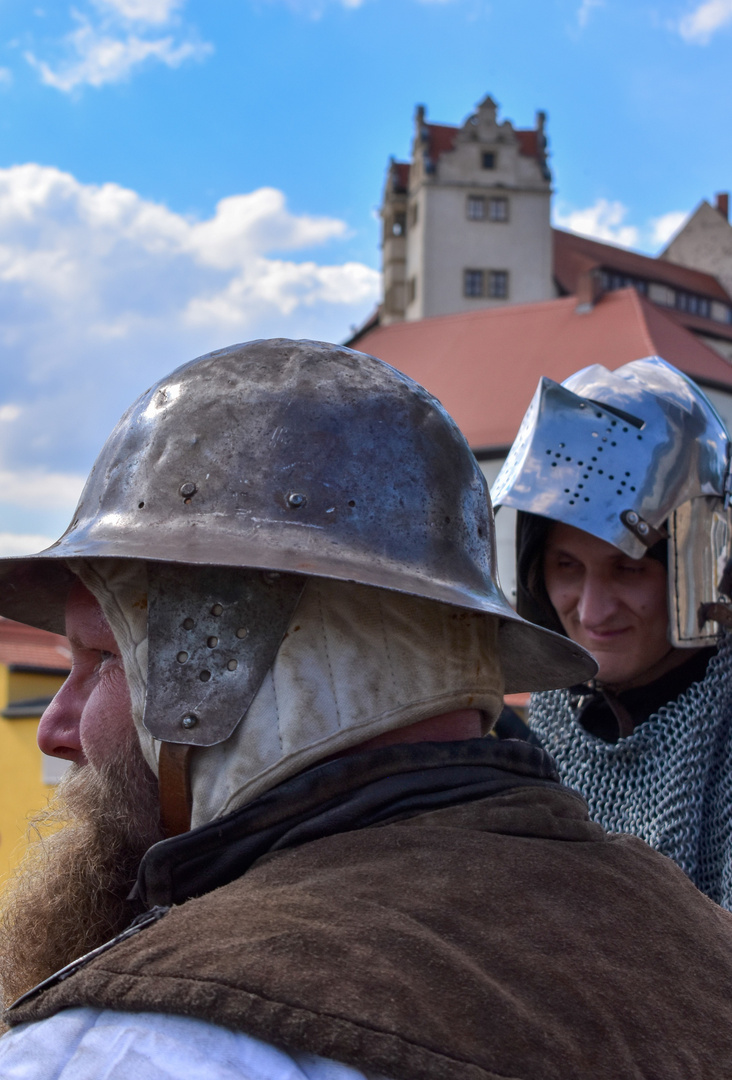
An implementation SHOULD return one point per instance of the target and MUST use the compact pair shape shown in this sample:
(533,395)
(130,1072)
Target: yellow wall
(22,790)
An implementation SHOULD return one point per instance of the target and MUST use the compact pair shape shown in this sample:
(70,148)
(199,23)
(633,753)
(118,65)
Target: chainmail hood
(670,782)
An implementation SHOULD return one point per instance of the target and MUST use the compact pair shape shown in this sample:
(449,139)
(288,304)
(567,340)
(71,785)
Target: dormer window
(488,159)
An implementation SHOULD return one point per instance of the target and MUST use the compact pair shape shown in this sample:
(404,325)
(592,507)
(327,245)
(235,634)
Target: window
(411,290)
(611,280)
(488,159)
(476,208)
(492,209)
(498,284)
(473,283)
(695,305)
(399,224)
(498,209)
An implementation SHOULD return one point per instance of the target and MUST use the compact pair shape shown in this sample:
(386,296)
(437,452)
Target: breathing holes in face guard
(587,473)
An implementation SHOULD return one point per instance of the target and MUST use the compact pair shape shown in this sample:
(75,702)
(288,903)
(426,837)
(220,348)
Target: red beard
(69,894)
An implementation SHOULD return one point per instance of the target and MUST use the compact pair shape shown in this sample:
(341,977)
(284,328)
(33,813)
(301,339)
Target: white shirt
(101,1044)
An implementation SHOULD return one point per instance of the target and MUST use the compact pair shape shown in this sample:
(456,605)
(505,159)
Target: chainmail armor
(670,782)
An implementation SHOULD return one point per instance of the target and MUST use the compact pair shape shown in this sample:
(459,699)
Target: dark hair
(532,599)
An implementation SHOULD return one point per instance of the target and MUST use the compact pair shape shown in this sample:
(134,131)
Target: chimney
(588,289)
(721,204)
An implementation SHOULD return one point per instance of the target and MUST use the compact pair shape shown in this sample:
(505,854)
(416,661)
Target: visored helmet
(632,456)
(288,458)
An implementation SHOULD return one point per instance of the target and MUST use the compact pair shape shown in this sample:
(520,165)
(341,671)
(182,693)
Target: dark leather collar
(350,792)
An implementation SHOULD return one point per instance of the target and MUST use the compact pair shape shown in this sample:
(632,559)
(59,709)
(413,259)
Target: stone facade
(705,242)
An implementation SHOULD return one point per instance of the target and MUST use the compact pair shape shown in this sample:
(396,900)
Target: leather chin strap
(174,786)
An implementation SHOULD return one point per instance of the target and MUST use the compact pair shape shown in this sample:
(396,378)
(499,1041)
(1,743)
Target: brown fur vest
(507,937)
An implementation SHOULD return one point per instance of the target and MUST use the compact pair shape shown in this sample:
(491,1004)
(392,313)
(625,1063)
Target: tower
(466,222)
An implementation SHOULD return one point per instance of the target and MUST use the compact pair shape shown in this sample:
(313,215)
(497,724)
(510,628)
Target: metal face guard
(213,633)
(614,453)
(698,552)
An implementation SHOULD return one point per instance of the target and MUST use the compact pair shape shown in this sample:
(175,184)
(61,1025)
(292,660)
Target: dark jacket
(498,935)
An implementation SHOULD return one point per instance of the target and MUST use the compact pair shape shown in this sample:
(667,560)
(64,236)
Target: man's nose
(58,730)
(596,603)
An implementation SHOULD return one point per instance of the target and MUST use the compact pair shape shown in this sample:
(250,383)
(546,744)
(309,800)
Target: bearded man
(288,643)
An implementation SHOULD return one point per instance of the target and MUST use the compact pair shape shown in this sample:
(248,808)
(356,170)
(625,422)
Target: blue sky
(177,175)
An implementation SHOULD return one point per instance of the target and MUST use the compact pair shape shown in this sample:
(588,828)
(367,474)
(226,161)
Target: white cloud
(286,286)
(102,292)
(15,544)
(155,12)
(101,58)
(603,221)
(36,487)
(257,221)
(108,50)
(585,8)
(6,76)
(664,227)
(699,25)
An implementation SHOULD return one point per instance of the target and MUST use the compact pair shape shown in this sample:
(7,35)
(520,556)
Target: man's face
(613,605)
(90,719)
(71,893)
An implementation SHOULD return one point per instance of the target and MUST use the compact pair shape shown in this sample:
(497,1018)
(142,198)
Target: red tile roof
(574,255)
(441,139)
(401,175)
(484,365)
(25,646)
(710,327)
(528,143)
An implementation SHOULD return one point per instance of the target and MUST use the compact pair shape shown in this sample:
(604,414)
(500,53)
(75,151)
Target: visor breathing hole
(232,665)
(212,642)
(241,632)
(182,657)
(205,675)
(217,609)
(188,624)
